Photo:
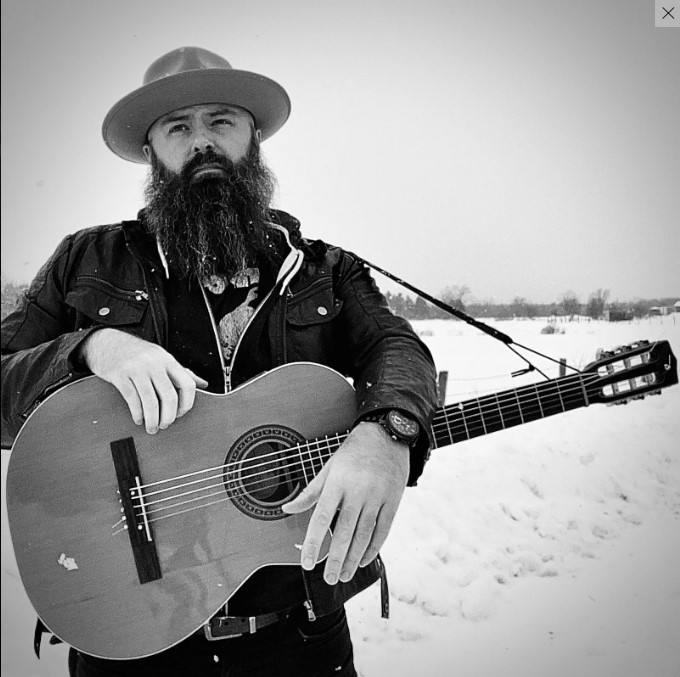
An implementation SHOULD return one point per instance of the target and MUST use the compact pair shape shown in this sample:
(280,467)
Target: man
(209,287)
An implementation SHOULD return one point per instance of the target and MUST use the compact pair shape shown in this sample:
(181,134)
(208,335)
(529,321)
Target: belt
(229,627)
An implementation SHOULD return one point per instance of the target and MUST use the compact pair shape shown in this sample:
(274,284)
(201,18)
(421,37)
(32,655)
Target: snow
(548,549)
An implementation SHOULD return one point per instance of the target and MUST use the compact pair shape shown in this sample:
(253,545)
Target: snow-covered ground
(550,549)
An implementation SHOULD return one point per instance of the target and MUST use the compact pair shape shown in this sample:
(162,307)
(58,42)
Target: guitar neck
(475,417)
(499,411)
(628,372)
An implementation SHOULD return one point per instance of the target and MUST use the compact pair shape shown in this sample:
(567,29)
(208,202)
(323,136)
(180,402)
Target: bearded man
(209,287)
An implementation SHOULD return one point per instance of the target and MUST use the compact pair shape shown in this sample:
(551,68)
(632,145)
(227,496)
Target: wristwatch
(399,426)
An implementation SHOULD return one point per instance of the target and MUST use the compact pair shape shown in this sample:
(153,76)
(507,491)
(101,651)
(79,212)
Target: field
(548,549)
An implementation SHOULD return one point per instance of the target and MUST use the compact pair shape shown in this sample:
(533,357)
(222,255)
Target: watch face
(402,425)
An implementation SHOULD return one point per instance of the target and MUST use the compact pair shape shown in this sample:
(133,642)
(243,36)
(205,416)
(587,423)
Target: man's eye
(223,121)
(177,128)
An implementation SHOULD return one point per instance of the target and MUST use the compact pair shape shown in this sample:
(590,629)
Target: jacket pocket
(102,303)
(315,304)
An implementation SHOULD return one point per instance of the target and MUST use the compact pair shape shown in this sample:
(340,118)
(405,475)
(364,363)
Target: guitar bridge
(139,530)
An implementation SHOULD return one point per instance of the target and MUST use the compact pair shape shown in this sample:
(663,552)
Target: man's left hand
(363,483)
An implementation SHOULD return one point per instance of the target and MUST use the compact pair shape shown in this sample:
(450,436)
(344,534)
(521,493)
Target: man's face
(180,135)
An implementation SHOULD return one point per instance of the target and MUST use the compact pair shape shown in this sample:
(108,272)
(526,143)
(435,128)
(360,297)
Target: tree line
(597,306)
(568,305)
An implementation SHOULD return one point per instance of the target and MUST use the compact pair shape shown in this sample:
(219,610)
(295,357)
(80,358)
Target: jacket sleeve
(38,344)
(391,367)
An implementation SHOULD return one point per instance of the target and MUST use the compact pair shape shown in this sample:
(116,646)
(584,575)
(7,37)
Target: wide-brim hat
(190,76)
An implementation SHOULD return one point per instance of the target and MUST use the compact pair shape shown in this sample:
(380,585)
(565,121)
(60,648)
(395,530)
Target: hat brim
(127,123)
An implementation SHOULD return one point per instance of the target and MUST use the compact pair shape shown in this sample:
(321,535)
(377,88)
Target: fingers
(167,395)
(359,529)
(156,388)
(318,528)
(309,496)
(129,392)
(347,546)
(185,382)
(364,534)
(378,537)
(357,494)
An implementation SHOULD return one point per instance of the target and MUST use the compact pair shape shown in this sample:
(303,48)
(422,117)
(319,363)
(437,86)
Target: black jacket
(331,312)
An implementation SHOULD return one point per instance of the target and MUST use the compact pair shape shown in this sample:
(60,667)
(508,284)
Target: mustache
(208,157)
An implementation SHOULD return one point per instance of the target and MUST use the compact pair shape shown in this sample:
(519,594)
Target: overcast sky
(520,148)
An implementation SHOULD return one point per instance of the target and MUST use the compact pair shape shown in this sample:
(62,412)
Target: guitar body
(205,532)
(127,542)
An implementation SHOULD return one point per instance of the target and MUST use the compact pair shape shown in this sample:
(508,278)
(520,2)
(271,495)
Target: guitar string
(510,396)
(276,465)
(229,497)
(306,448)
(495,407)
(203,505)
(265,476)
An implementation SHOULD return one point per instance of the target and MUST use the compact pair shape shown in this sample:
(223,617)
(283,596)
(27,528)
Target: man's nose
(202,142)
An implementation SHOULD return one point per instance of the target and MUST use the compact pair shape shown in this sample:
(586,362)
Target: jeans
(292,647)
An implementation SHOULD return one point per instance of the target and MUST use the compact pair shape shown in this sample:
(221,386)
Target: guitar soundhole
(264,471)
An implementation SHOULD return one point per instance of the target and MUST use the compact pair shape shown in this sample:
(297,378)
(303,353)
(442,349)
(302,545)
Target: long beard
(215,224)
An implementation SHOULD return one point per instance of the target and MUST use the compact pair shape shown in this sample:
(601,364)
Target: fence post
(563,366)
(441,388)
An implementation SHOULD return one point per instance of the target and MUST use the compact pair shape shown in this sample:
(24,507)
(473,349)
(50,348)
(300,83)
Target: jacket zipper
(245,329)
(137,294)
(226,368)
(226,380)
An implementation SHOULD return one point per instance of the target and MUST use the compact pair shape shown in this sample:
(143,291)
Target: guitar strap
(40,630)
(491,331)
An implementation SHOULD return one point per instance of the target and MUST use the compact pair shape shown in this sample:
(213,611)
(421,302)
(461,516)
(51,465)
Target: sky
(516,147)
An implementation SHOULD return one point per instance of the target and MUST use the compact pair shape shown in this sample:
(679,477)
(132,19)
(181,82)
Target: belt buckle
(252,623)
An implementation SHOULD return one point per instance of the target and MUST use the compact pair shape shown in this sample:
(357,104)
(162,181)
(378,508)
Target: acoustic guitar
(127,543)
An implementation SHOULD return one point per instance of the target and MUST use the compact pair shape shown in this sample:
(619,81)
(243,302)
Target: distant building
(617,315)
(676,306)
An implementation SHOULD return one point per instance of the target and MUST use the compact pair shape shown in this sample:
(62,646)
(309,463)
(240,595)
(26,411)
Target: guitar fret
(550,402)
(464,419)
(583,390)
(500,411)
(538,398)
(529,401)
(481,416)
(446,420)
(490,414)
(510,408)
(559,394)
(519,406)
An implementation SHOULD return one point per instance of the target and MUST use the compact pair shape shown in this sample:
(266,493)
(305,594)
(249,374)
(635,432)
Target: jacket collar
(136,235)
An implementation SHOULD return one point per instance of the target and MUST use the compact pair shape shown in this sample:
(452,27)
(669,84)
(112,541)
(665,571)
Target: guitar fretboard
(499,411)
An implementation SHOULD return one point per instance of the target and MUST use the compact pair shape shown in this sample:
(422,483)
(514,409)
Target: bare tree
(520,307)
(596,303)
(570,304)
(455,295)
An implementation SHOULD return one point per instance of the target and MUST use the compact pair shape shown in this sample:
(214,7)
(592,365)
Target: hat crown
(182,60)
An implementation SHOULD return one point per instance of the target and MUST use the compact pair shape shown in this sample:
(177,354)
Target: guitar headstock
(631,372)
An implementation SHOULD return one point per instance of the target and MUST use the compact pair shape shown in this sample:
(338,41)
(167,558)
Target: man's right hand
(156,387)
